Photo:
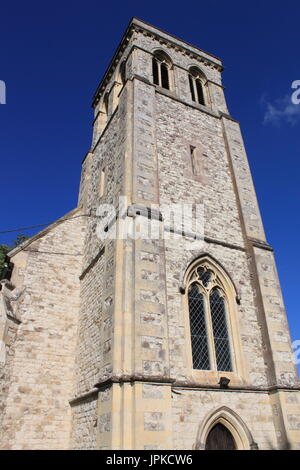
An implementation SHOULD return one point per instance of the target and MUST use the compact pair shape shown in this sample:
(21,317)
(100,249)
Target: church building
(151,315)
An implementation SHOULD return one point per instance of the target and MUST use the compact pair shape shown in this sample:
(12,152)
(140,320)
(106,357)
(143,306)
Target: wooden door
(219,438)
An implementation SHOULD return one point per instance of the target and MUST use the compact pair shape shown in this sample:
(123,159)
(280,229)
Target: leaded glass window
(207,303)
(204,275)
(220,331)
(198,329)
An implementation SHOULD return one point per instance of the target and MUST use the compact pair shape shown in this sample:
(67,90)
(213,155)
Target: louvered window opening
(160,72)
(196,89)
(192,88)
(123,72)
(106,103)
(208,324)
(155,71)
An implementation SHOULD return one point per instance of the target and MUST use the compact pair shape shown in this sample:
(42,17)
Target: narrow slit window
(192,150)
(196,160)
(102,182)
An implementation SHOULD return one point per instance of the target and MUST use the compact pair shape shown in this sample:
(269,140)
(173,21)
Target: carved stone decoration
(9,297)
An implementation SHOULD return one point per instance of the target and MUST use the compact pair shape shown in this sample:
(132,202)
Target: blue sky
(53,55)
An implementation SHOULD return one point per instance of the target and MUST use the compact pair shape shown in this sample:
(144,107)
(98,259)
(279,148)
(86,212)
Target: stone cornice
(260,244)
(85,396)
(174,63)
(173,96)
(179,385)
(178,44)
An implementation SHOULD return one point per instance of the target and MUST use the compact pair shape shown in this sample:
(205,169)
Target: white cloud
(282,110)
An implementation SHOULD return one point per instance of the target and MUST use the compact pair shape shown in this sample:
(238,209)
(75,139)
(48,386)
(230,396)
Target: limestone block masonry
(96,346)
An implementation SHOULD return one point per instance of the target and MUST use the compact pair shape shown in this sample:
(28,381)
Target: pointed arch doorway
(223,429)
(220,438)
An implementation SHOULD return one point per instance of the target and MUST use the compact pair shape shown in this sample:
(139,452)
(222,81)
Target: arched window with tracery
(197,86)
(161,70)
(209,320)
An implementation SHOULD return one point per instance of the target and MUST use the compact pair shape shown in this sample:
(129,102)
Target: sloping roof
(67,216)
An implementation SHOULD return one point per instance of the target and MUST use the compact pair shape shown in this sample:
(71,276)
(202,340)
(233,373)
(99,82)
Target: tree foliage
(20,239)
(4,249)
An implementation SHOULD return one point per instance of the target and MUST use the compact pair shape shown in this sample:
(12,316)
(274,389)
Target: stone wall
(6,367)
(37,413)
(84,424)
(235,261)
(190,409)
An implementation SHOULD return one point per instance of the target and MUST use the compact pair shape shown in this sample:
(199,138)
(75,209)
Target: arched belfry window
(101,117)
(197,85)
(122,72)
(106,103)
(209,319)
(161,70)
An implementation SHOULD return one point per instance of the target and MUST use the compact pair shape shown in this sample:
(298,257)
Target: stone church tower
(173,341)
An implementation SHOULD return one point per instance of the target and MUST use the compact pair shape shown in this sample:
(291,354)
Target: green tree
(20,239)
(4,249)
